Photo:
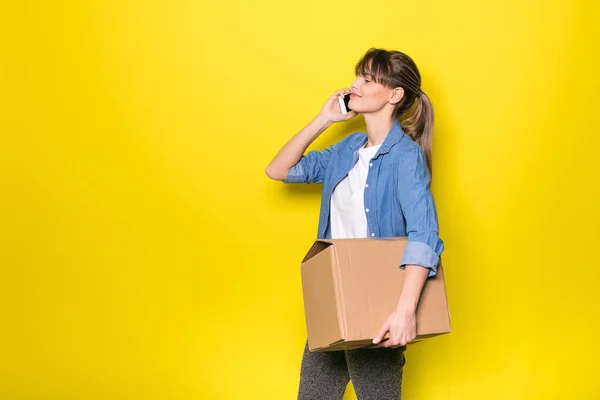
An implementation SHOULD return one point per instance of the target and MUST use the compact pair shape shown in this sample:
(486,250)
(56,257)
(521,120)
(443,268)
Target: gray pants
(376,374)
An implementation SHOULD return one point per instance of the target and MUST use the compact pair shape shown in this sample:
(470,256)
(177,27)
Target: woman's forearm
(293,150)
(412,285)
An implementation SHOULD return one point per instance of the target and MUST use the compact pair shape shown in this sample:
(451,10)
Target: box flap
(317,247)
(320,300)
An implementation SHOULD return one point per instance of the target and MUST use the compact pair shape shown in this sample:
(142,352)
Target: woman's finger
(351,114)
(384,329)
(343,92)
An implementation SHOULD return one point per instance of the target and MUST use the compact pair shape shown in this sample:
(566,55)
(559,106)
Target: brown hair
(415,112)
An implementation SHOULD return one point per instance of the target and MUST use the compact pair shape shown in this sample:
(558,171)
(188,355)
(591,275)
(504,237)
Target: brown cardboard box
(351,286)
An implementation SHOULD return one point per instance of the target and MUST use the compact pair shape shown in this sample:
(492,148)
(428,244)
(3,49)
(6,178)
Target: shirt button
(373,234)
(370,164)
(367,185)
(367,210)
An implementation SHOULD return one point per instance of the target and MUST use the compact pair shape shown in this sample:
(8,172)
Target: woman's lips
(353,96)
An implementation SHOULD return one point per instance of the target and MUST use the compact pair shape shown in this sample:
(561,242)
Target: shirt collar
(394,136)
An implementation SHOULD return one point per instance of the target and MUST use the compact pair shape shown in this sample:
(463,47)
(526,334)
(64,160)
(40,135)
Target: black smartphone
(344,103)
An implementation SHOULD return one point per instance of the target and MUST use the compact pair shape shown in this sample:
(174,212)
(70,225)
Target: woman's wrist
(406,307)
(323,121)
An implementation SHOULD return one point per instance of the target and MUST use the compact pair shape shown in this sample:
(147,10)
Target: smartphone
(344,103)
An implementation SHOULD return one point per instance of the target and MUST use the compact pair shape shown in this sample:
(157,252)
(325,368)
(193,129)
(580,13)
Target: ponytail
(417,122)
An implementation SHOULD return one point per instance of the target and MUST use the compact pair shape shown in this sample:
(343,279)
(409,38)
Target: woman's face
(370,97)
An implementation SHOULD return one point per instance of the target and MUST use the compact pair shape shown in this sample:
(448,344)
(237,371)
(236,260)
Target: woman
(375,185)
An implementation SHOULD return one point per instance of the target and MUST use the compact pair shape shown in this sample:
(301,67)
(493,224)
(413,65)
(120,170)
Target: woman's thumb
(382,332)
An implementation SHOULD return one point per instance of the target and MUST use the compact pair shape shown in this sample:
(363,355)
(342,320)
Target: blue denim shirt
(397,192)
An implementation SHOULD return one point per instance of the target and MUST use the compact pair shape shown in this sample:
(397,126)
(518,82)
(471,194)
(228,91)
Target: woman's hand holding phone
(331,109)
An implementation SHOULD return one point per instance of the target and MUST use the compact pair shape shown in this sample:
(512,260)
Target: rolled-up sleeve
(311,168)
(424,246)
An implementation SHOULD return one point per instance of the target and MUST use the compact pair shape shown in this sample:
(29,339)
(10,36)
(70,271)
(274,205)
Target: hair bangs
(375,63)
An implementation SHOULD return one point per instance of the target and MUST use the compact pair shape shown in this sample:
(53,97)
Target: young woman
(375,185)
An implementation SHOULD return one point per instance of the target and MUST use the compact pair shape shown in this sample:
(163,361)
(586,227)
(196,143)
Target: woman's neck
(377,129)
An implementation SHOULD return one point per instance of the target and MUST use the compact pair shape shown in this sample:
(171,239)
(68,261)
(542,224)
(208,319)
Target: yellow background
(145,255)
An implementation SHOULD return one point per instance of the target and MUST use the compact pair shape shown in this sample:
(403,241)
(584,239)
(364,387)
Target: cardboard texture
(351,286)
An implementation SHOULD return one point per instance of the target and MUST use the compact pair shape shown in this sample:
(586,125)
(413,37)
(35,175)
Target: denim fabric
(397,193)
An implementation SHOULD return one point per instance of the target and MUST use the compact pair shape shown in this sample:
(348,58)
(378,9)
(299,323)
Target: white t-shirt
(348,218)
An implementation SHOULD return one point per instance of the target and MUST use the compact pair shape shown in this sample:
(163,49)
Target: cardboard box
(351,286)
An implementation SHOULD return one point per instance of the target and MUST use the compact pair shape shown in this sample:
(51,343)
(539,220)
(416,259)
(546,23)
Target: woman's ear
(396,95)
